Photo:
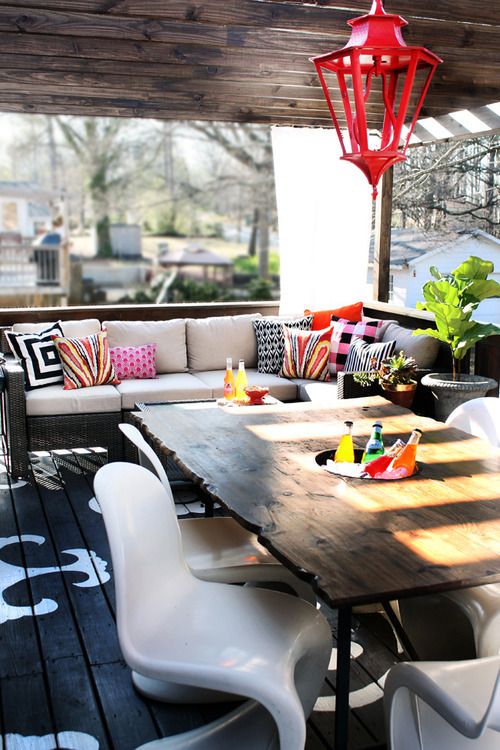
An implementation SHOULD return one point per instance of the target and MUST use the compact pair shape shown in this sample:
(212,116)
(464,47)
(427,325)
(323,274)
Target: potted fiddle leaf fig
(453,298)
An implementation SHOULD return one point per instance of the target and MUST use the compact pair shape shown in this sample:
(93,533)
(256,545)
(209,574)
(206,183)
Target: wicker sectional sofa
(190,358)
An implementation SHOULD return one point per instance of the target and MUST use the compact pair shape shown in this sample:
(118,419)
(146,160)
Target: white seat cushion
(280,388)
(314,390)
(170,387)
(168,335)
(211,340)
(52,400)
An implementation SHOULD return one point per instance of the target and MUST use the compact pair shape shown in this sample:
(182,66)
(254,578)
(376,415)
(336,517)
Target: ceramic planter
(449,393)
(401,394)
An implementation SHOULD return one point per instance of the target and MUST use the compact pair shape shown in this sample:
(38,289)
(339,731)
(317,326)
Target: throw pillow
(322,318)
(271,340)
(307,354)
(343,332)
(85,361)
(134,362)
(363,356)
(38,356)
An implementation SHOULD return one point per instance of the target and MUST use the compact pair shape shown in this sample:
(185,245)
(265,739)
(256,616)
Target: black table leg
(343,675)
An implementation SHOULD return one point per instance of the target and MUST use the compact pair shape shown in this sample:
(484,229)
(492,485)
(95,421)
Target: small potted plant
(453,298)
(396,376)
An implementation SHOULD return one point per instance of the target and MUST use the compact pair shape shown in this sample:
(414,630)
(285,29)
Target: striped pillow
(342,335)
(85,361)
(363,357)
(306,354)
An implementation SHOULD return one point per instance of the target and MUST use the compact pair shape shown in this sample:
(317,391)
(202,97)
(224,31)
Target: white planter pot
(449,393)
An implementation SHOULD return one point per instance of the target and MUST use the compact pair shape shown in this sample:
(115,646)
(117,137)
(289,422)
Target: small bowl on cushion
(256,393)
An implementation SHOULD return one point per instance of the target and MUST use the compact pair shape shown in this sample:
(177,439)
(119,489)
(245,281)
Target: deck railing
(485,359)
(25,267)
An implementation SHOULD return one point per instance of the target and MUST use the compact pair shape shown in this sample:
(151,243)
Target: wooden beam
(382,254)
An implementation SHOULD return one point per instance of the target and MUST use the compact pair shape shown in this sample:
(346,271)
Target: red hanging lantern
(382,83)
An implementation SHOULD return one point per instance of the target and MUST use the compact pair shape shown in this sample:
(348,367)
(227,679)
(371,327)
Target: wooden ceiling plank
(286,15)
(435,34)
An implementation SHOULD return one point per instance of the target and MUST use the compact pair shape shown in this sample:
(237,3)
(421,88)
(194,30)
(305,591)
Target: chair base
(247,727)
(172,692)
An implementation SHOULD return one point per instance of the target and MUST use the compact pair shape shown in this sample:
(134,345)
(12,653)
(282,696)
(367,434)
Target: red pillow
(323,318)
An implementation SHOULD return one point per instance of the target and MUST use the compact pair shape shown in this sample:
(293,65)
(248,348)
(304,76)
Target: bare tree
(250,146)
(99,147)
(448,185)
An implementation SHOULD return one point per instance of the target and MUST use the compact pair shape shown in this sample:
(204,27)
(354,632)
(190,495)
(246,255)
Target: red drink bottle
(381,463)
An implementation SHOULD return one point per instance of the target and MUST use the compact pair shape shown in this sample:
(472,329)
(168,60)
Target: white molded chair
(466,613)
(443,705)
(479,417)
(220,549)
(177,630)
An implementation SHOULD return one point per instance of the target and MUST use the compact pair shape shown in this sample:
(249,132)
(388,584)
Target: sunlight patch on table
(298,431)
(455,544)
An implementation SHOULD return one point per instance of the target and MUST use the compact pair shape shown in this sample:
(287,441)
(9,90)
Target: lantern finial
(381,83)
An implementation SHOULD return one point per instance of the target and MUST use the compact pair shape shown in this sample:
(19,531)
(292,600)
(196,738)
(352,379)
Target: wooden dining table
(357,541)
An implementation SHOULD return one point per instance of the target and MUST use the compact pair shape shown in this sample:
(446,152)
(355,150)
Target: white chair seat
(444,705)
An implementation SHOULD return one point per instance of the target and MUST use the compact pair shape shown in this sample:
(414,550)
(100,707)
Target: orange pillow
(322,318)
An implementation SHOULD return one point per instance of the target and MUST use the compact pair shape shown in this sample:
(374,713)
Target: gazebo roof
(194,257)
(237,60)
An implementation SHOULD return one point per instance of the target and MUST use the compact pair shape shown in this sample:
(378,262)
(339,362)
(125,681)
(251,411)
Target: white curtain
(324,217)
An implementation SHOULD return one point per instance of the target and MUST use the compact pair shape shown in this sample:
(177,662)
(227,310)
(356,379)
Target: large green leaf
(484,289)
(473,333)
(474,268)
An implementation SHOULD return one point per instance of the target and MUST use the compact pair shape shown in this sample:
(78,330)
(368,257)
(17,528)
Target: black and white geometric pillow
(38,356)
(361,354)
(271,340)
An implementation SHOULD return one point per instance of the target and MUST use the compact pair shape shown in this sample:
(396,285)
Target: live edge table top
(359,540)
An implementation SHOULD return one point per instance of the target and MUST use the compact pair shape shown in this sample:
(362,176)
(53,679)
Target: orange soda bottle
(345,451)
(229,389)
(404,462)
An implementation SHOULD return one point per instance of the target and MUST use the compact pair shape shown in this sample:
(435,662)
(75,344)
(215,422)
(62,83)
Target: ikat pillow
(306,354)
(343,332)
(271,340)
(38,356)
(363,357)
(86,361)
(134,362)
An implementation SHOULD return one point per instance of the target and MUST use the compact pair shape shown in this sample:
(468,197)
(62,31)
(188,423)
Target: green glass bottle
(375,445)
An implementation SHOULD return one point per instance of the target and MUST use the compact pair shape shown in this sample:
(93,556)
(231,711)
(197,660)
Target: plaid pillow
(85,361)
(306,354)
(363,356)
(343,332)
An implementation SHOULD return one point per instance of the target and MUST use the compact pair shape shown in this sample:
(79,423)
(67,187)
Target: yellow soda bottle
(229,388)
(345,451)
(241,382)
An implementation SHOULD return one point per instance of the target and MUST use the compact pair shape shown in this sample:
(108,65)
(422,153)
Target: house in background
(33,247)
(413,252)
(26,208)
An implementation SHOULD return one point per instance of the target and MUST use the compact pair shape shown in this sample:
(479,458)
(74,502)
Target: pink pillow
(343,332)
(134,362)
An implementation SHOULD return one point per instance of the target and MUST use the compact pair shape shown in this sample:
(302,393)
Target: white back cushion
(211,340)
(168,335)
(70,328)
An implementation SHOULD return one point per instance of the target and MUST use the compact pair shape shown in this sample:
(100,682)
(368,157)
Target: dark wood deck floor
(61,671)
